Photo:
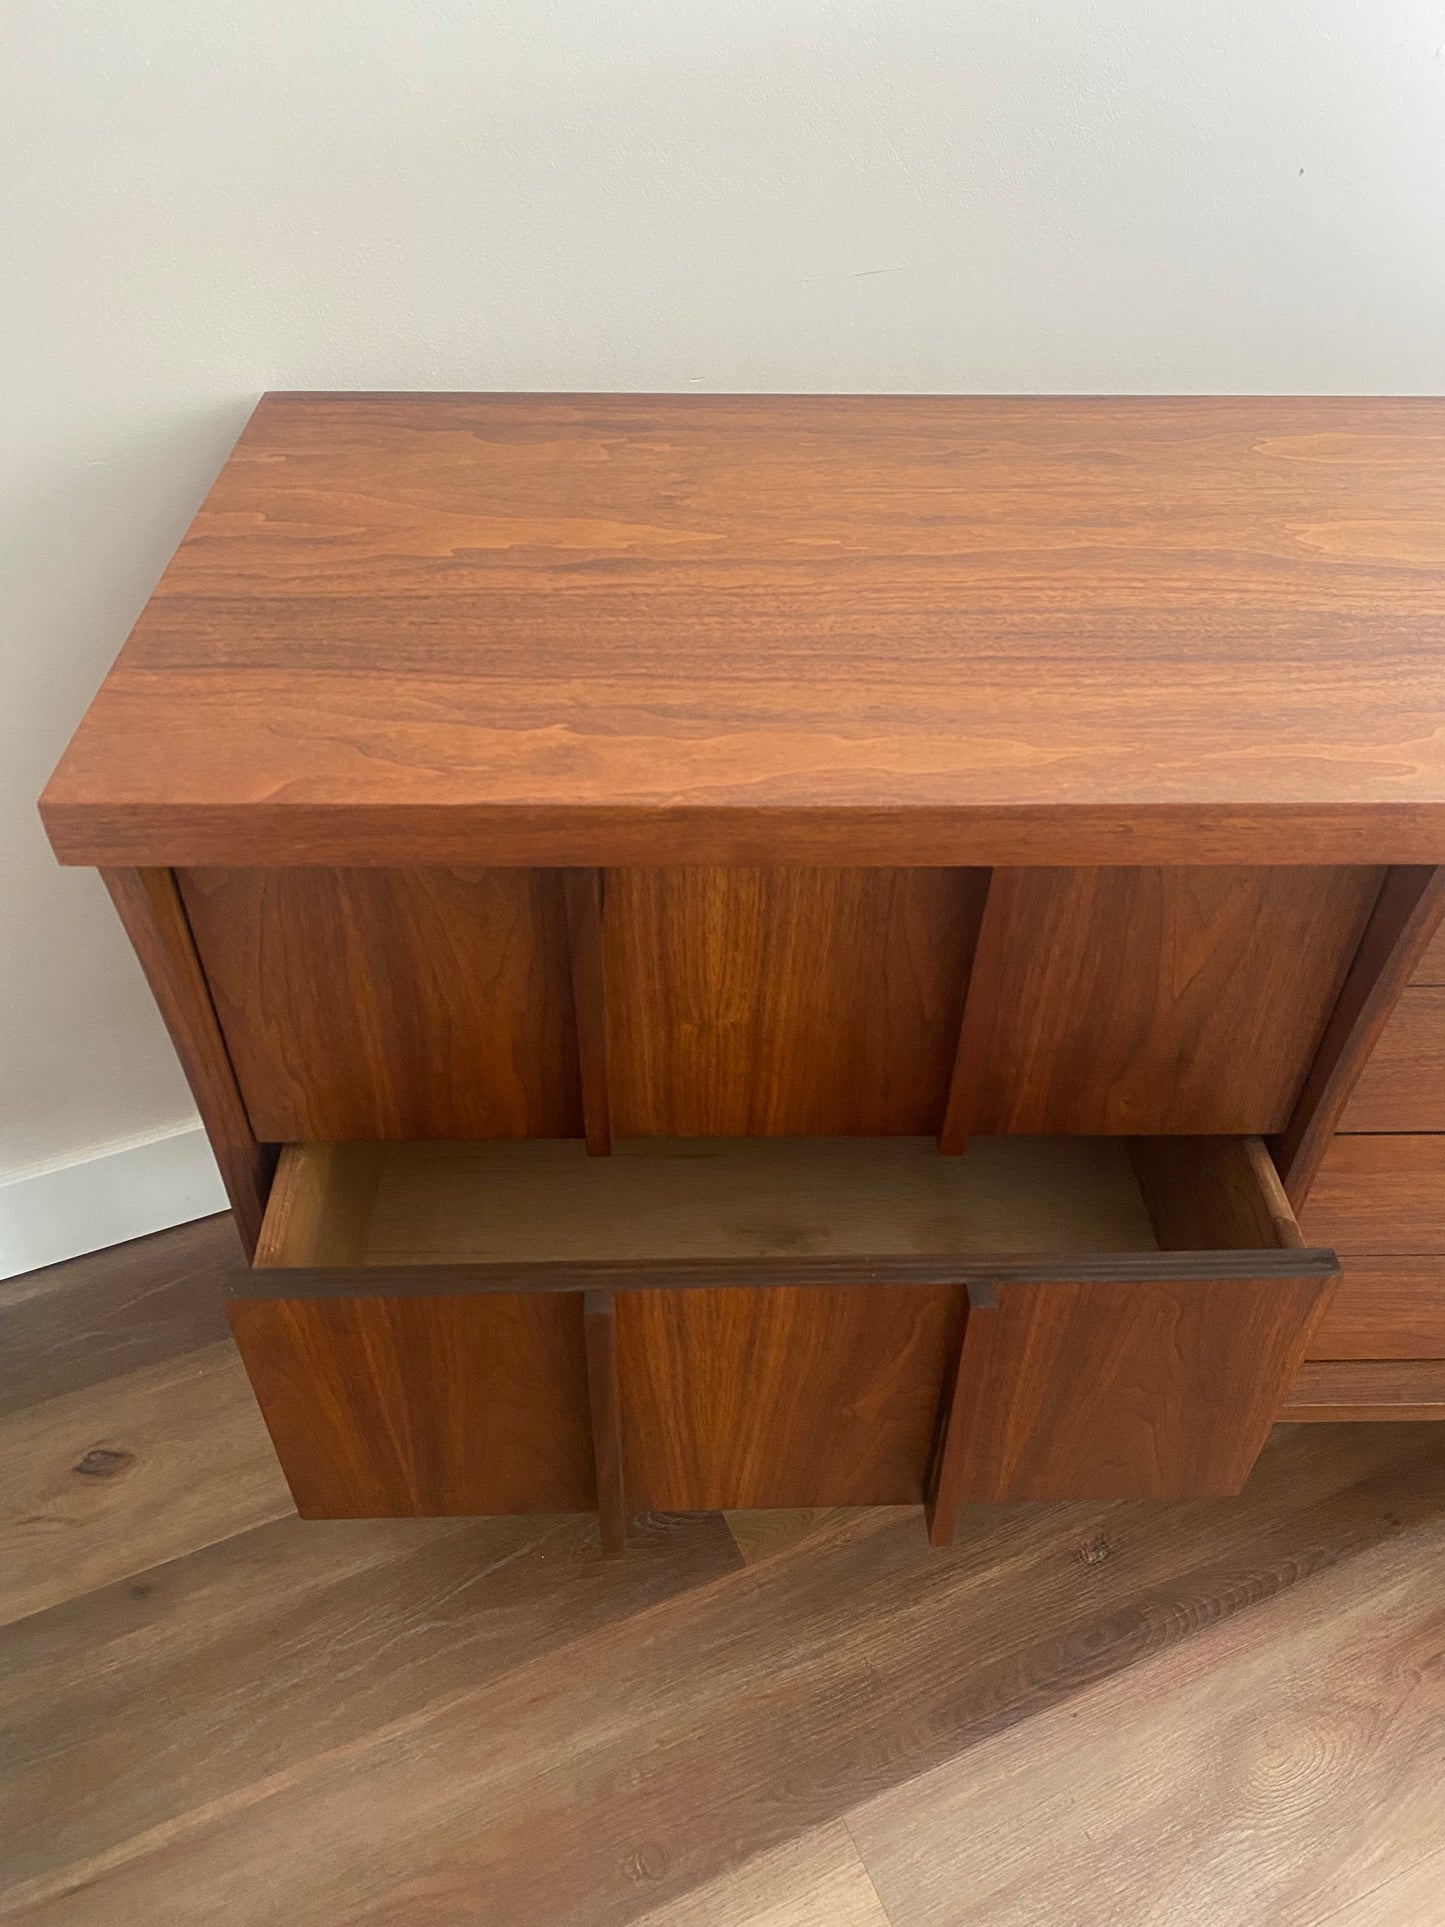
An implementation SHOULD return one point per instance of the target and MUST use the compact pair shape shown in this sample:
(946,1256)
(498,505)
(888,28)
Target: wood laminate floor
(1132,1715)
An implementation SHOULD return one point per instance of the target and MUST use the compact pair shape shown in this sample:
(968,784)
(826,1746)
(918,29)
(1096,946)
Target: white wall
(200,201)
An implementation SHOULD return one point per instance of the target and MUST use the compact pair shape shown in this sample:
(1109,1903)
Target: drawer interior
(544,1201)
(699,1323)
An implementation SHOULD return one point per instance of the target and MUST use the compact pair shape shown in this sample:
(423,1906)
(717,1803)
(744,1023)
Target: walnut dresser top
(566,629)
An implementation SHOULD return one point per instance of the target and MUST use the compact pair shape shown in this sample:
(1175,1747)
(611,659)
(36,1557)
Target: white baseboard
(104,1197)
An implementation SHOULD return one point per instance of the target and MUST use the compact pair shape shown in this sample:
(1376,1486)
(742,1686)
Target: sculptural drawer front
(777,1001)
(462,1327)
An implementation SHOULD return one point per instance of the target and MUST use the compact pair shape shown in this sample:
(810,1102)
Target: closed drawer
(1402,1087)
(1379,1194)
(1385,1308)
(1328,1390)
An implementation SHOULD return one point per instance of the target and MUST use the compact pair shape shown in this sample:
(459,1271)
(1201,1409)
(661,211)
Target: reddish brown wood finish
(392,1407)
(604,1403)
(1144,1000)
(956,1440)
(785,1002)
(800,1396)
(155,920)
(1386,1308)
(1329,1391)
(1379,1194)
(1111,1391)
(1431,967)
(1406,913)
(618,629)
(393,1003)
(1402,1085)
(782,675)
(1213,1194)
(589,999)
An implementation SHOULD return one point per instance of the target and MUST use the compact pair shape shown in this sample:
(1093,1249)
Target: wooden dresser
(773,951)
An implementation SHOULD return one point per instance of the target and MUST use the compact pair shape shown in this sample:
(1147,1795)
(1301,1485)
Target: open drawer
(496,1326)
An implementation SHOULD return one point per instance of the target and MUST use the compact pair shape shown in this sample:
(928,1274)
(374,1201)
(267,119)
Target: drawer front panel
(799,1395)
(784,1002)
(1402,1087)
(1125,1391)
(1379,1194)
(392,1003)
(1154,1000)
(1333,1390)
(426,1406)
(1385,1308)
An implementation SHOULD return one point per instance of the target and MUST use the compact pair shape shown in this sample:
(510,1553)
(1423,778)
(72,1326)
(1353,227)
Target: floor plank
(817,1881)
(122,1710)
(639,1763)
(103,1482)
(113,1311)
(212,1711)
(761,1534)
(1414,1897)
(1274,1771)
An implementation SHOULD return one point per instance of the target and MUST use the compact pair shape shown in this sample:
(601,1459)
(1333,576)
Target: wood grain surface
(105,1481)
(785,1002)
(573,629)
(1405,916)
(1148,1000)
(110,1312)
(604,1402)
(322,1205)
(1233,1705)
(1431,967)
(152,1697)
(582,891)
(1336,1389)
(483,1722)
(1402,1087)
(1213,1193)
(1122,1391)
(387,1407)
(700,1198)
(1385,1308)
(150,907)
(1379,1194)
(810,1396)
(402,1003)
(1279,1769)
(817,1881)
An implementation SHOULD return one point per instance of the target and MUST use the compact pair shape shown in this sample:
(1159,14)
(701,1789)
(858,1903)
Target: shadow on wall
(84,1060)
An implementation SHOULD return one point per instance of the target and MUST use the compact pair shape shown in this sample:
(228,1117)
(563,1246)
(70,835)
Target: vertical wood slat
(954,1436)
(583,891)
(150,907)
(1406,914)
(983,992)
(600,1332)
